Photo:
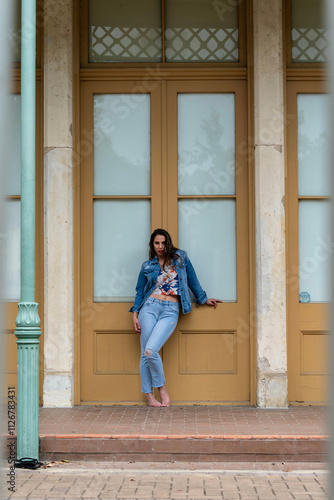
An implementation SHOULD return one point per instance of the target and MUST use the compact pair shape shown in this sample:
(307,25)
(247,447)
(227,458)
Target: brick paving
(96,483)
(135,421)
(184,433)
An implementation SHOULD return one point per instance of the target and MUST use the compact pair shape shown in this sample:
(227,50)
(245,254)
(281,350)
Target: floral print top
(168,282)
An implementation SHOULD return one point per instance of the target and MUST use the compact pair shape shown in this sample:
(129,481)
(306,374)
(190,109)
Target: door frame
(145,75)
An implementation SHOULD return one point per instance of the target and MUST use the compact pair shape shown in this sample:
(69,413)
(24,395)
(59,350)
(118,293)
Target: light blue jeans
(157,319)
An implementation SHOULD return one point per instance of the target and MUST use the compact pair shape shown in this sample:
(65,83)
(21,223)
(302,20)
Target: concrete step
(192,433)
(192,448)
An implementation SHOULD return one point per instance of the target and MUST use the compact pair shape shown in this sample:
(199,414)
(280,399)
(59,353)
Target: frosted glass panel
(121,234)
(125,31)
(315,249)
(14,31)
(314,144)
(201,31)
(122,144)
(10,286)
(206,144)
(207,231)
(12,170)
(309,31)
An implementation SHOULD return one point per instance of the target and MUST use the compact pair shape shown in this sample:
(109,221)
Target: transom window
(309,32)
(163,31)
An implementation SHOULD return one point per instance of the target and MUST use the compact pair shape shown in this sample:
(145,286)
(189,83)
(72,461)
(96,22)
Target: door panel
(120,203)
(208,213)
(198,134)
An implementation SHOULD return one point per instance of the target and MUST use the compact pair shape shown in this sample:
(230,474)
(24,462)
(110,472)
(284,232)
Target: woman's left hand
(213,302)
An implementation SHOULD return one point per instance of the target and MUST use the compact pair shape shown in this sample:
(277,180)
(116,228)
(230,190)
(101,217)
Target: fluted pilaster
(27,333)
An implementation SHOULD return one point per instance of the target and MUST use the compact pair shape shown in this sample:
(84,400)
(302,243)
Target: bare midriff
(171,298)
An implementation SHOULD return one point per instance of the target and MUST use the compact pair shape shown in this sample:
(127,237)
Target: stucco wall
(269,205)
(58,204)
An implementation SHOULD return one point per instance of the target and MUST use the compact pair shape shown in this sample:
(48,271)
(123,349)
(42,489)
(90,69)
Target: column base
(57,390)
(272,390)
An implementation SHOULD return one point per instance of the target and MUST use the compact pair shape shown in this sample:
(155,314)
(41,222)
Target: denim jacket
(148,276)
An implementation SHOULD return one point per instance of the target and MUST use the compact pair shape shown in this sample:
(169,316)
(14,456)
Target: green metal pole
(28,322)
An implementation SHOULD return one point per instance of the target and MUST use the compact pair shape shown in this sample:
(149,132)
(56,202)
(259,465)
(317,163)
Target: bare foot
(151,401)
(164,396)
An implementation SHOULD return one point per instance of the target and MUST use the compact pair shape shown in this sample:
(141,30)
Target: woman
(162,290)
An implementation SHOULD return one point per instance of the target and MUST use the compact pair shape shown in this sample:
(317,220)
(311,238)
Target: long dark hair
(170,249)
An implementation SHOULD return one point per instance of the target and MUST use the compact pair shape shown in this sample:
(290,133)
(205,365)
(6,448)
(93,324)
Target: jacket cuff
(201,299)
(132,310)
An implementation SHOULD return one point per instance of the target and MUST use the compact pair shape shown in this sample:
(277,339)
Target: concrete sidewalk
(156,482)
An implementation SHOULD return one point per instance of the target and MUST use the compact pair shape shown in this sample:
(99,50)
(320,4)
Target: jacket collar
(175,260)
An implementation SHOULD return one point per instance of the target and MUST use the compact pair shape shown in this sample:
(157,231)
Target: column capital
(27,321)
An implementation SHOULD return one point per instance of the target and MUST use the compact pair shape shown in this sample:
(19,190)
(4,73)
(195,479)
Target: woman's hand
(135,322)
(213,302)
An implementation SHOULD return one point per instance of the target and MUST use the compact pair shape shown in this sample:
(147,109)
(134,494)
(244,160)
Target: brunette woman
(162,292)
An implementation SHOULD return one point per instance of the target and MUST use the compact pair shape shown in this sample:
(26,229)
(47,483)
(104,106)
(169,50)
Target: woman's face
(159,245)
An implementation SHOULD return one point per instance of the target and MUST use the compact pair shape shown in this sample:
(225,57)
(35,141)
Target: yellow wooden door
(11,251)
(117,214)
(309,243)
(208,357)
(11,240)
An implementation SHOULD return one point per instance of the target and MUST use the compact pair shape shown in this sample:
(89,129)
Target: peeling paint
(264,364)
(47,150)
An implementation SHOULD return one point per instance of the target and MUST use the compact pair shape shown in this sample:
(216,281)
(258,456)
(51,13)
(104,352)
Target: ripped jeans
(157,319)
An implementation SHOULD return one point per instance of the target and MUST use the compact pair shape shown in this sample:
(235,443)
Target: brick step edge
(185,449)
(197,448)
(289,437)
(185,457)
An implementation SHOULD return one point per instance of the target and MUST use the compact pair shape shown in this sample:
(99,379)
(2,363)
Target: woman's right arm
(135,322)
(140,287)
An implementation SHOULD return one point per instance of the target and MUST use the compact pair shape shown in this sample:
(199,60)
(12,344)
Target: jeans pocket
(175,307)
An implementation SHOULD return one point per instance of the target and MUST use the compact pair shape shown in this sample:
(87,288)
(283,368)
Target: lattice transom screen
(131,31)
(309,32)
(309,45)
(199,44)
(114,44)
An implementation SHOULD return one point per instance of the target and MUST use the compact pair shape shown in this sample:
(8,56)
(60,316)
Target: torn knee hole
(148,352)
